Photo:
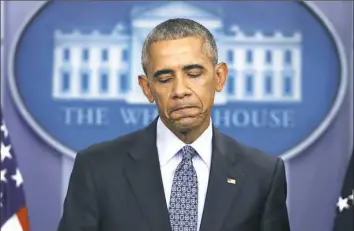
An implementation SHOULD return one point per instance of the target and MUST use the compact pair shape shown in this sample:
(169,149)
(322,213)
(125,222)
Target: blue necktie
(184,194)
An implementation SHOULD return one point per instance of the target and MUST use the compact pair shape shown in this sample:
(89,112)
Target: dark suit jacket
(117,186)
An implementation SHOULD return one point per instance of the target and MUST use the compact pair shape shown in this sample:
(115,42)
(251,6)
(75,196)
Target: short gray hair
(178,28)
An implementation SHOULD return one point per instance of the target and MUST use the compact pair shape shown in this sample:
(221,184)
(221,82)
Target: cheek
(161,96)
(205,92)
(208,99)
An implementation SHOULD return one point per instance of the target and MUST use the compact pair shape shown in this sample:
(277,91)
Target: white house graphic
(96,66)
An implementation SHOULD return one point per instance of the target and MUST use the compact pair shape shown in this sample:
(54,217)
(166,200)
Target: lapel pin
(231,181)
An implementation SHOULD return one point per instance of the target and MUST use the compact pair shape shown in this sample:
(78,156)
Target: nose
(180,88)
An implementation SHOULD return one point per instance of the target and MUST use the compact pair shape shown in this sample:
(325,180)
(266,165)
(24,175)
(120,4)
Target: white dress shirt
(168,146)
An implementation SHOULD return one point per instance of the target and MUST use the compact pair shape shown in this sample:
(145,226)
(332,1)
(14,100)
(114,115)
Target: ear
(221,76)
(144,84)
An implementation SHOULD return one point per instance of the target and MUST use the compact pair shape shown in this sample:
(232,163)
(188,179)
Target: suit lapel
(144,176)
(226,178)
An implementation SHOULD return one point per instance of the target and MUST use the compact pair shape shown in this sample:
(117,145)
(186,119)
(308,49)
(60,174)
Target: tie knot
(188,152)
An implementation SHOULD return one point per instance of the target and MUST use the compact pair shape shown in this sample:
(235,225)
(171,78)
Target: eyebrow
(185,68)
(193,66)
(161,72)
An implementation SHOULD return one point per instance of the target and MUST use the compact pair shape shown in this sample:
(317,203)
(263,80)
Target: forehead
(177,53)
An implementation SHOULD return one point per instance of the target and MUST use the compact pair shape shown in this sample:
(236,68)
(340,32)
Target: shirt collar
(168,144)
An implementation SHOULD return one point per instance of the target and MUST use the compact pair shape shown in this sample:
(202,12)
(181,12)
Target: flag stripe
(23,218)
(12,224)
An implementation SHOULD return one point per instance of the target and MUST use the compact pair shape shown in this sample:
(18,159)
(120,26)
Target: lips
(184,112)
(182,108)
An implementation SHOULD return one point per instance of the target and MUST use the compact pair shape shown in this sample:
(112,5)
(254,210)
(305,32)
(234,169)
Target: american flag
(13,209)
(345,205)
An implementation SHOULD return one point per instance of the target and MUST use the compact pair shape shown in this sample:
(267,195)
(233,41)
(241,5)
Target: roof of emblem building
(198,9)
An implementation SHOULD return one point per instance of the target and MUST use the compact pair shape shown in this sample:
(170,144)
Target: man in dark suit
(180,172)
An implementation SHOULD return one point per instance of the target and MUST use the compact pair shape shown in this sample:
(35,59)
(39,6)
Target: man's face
(182,80)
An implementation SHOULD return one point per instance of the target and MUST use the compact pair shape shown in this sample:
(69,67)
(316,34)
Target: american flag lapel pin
(231,181)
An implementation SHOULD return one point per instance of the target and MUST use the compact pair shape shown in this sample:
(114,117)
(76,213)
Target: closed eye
(194,70)
(166,80)
(194,75)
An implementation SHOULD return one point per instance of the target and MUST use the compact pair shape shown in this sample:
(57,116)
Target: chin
(187,123)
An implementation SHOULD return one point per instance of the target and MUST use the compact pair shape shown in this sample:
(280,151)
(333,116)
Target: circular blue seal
(74,66)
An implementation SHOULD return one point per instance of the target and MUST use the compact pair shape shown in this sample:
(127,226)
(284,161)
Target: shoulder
(258,161)
(109,150)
